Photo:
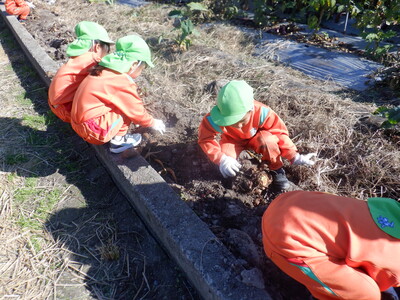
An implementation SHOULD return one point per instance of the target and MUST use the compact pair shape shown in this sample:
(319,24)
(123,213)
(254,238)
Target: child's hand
(228,166)
(304,159)
(159,126)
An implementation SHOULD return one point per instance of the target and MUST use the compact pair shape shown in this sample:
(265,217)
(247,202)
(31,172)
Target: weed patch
(34,122)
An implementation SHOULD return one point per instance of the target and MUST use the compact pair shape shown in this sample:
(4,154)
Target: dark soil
(232,208)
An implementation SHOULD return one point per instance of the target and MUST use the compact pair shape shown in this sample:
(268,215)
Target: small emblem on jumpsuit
(384,222)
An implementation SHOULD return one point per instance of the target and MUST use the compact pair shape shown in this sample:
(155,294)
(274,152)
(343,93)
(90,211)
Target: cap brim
(224,120)
(107,41)
(150,64)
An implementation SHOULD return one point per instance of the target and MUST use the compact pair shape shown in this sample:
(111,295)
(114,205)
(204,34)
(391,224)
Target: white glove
(30,4)
(228,166)
(159,126)
(304,159)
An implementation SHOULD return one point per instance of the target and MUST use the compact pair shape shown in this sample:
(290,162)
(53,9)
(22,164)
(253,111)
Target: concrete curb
(209,266)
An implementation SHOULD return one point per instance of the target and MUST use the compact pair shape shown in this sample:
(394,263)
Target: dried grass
(25,273)
(355,160)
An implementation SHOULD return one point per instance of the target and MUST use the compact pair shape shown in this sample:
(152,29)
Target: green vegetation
(34,121)
(23,99)
(184,24)
(391,114)
(373,17)
(34,204)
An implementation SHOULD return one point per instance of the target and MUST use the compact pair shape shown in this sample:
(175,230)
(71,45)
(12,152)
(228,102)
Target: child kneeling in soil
(91,45)
(338,247)
(19,8)
(107,101)
(244,123)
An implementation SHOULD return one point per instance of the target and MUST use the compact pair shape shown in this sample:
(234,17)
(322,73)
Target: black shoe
(279,180)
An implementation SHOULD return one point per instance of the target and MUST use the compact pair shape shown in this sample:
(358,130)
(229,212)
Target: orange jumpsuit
(265,133)
(104,106)
(17,8)
(332,245)
(66,82)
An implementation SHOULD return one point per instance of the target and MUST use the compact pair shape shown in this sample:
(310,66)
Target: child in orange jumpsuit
(85,52)
(244,123)
(107,101)
(338,247)
(19,8)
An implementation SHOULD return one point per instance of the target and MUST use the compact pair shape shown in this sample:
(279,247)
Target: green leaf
(381,110)
(372,37)
(341,8)
(197,6)
(175,13)
(355,10)
(312,22)
(388,34)
(187,26)
(394,115)
(386,124)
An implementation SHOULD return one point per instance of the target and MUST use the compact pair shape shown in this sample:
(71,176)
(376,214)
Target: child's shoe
(389,294)
(279,180)
(121,143)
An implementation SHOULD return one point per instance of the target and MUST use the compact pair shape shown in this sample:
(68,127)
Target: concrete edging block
(210,267)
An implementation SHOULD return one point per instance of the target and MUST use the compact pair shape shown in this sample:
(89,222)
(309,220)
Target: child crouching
(107,101)
(244,123)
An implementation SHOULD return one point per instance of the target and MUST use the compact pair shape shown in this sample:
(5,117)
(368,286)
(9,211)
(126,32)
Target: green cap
(129,49)
(86,32)
(385,212)
(235,99)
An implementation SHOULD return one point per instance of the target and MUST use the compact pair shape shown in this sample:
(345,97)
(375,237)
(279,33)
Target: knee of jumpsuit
(267,144)
(25,10)
(125,126)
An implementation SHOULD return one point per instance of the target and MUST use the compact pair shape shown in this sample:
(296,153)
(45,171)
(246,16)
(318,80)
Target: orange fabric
(17,8)
(335,238)
(269,137)
(105,105)
(102,129)
(66,81)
